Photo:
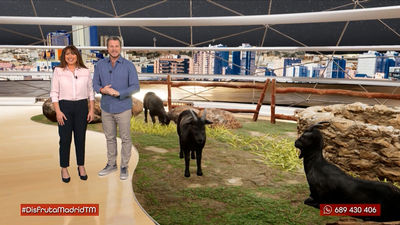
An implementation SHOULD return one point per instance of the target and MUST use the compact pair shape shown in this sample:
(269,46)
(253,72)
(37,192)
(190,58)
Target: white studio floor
(30,174)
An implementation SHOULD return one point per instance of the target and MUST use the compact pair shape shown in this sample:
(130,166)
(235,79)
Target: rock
(174,113)
(97,119)
(362,140)
(137,106)
(194,186)
(156,149)
(217,116)
(49,112)
(389,173)
(259,180)
(97,111)
(236,181)
(222,118)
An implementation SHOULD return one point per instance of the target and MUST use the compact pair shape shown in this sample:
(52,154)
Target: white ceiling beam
(296,49)
(389,12)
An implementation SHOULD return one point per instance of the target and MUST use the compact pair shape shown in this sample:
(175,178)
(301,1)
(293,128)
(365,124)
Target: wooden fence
(274,91)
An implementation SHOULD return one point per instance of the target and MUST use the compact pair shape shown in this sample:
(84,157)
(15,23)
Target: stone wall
(362,140)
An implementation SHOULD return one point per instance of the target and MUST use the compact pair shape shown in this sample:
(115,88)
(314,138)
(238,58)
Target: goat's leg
(187,161)
(311,202)
(145,115)
(153,117)
(181,151)
(198,158)
(193,155)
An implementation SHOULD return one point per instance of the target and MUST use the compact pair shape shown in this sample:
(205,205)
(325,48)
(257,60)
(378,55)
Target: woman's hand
(90,116)
(60,117)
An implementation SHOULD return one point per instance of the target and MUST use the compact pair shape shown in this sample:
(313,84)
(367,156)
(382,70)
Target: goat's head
(196,125)
(311,140)
(164,119)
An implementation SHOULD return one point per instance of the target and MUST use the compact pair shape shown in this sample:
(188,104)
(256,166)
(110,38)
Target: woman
(71,87)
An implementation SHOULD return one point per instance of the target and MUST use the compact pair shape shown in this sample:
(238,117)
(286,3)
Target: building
(85,35)
(248,61)
(103,40)
(221,61)
(373,64)
(391,59)
(46,65)
(58,38)
(172,65)
(369,63)
(147,69)
(269,72)
(313,69)
(336,68)
(287,65)
(203,63)
(300,71)
(236,63)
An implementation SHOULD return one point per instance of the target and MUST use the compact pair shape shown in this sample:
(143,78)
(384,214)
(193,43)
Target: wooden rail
(216,84)
(171,84)
(275,91)
(338,92)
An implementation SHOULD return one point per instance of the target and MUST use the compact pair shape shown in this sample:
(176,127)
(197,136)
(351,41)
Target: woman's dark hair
(74,51)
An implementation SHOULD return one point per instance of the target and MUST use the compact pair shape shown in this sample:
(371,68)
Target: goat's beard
(301,154)
(298,145)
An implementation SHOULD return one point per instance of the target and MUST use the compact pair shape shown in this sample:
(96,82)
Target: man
(116,79)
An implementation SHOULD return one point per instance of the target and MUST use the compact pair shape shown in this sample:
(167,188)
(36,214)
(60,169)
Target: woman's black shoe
(82,177)
(65,180)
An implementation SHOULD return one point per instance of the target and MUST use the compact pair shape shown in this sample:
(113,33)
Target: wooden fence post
(169,92)
(260,101)
(273,102)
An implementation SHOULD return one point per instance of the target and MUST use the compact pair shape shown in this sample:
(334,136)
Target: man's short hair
(114,38)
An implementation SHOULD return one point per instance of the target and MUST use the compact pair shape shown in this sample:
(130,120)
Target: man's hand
(115,93)
(108,90)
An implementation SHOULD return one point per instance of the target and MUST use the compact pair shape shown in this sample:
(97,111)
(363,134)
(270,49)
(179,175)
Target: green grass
(236,205)
(42,119)
(275,150)
(265,127)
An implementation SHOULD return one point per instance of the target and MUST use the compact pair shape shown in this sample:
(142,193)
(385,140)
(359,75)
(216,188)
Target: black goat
(192,137)
(155,105)
(330,185)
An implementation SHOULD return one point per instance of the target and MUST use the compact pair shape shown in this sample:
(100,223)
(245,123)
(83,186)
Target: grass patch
(265,127)
(42,119)
(275,150)
(236,205)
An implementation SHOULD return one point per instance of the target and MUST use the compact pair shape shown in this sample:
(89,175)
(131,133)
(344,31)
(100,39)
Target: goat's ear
(208,122)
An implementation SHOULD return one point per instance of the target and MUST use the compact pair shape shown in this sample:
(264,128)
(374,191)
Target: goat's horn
(322,124)
(193,114)
(203,117)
